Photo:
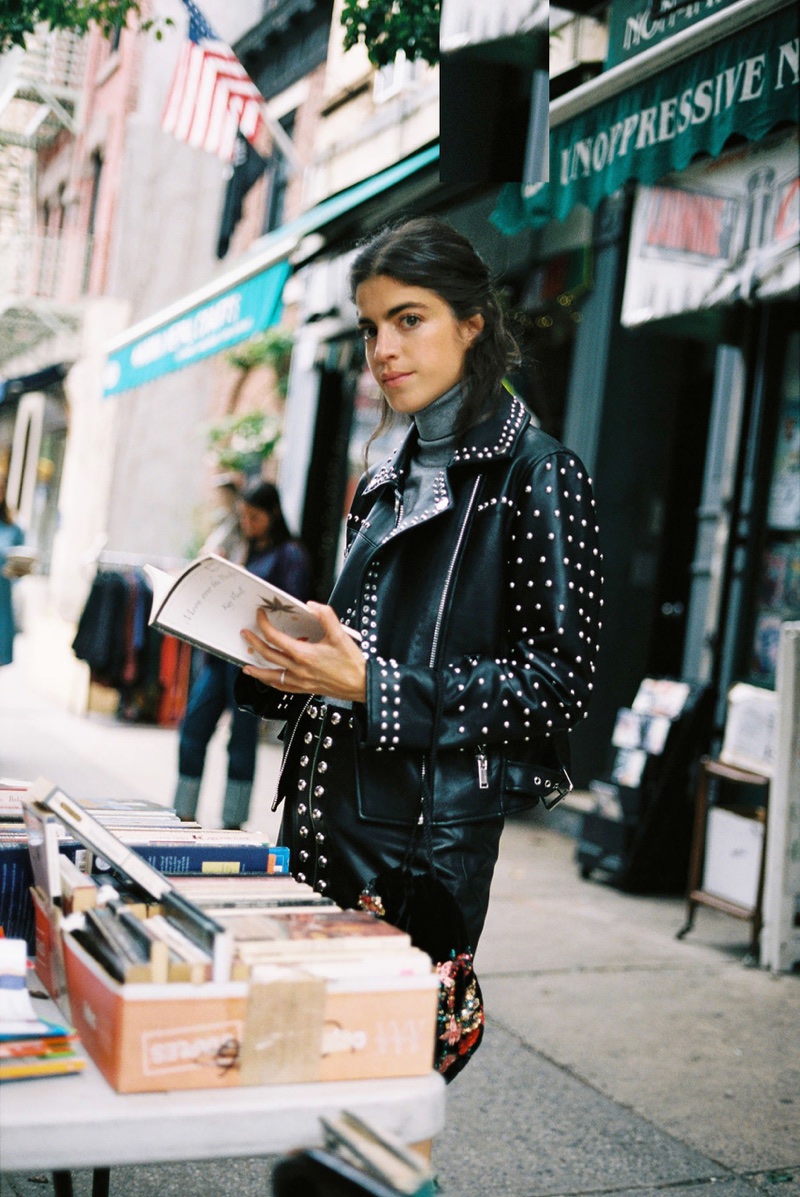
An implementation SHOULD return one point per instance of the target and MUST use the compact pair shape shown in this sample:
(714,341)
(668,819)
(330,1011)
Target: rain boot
(187,792)
(236,805)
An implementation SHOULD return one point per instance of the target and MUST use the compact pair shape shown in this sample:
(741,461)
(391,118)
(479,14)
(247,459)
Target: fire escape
(41,275)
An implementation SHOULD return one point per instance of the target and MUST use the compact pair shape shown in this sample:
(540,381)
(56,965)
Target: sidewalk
(616,1060)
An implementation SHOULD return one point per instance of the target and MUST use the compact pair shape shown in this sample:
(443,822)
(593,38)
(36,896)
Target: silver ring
(283,676)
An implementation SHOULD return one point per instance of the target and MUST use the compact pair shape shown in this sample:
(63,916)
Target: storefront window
(779,586)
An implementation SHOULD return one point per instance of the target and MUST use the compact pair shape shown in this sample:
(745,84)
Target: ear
(473,327)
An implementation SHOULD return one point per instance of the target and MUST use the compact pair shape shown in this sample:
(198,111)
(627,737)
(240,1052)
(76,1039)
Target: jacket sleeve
(540,681)
(266,702)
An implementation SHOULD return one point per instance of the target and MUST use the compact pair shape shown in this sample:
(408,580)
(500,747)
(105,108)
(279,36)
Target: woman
(473,574)
(11,535)
(267,550)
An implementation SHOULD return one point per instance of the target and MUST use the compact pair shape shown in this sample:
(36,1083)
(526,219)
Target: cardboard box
(48,962)
(734,844)
(289,1027)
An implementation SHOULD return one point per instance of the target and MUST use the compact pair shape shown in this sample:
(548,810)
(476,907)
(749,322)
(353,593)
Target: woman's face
(253,522)
(415,344)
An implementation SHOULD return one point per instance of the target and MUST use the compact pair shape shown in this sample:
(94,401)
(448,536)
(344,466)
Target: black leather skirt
(337,851)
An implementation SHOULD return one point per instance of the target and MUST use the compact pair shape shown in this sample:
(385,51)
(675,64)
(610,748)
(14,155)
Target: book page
(213,599)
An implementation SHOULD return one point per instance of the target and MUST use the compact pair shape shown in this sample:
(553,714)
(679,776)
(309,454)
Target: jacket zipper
(482,762)
(483,776)
(451,570)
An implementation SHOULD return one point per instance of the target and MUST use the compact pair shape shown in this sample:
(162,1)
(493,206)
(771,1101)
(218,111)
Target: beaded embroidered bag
(421,905)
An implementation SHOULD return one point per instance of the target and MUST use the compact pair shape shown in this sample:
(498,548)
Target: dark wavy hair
(427,252)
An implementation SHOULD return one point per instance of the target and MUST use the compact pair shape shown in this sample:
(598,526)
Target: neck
(437,421)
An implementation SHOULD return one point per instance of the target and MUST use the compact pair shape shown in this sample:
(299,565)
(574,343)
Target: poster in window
(784,497)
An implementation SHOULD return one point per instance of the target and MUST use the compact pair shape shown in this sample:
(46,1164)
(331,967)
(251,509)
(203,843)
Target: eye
(368,331)
(410,320)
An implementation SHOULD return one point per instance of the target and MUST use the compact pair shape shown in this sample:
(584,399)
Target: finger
(274,677)
(331,624)
(274,638)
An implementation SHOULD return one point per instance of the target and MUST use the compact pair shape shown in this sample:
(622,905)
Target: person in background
(472,572)
(267,549)
(11,535)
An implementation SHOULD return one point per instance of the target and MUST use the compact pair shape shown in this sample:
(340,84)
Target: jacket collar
(493,438)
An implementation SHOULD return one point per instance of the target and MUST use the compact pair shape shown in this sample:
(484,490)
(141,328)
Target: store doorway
(677,510)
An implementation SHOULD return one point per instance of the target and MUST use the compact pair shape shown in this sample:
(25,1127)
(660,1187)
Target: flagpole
(283,141)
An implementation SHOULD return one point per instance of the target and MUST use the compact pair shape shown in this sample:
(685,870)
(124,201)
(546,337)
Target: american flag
(211,95)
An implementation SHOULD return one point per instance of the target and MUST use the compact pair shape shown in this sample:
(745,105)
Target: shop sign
(633,27)
(743,85)
(228,318)
(730,231)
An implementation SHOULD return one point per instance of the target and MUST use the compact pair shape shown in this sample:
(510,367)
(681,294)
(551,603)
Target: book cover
(102,842)
(209,602)
(273,933)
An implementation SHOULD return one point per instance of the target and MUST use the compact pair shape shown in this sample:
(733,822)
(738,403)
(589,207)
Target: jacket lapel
(494,438)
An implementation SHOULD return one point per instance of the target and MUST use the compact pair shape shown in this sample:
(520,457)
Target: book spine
(16,879)
(278,859)
(49,1066)
(172,860)
(100,950)
(187,961)
(155,950)
(43,848)
(206,932)
(134,957)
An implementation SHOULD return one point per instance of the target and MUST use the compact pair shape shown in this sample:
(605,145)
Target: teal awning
(208,328)
(745,83)
(244,300)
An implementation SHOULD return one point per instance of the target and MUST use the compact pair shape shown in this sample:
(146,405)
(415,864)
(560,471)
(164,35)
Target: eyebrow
(395,311)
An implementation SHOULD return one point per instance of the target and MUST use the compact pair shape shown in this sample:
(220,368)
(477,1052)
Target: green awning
(745,84)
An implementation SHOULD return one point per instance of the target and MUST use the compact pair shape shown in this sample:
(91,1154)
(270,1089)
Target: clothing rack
(109,559)
(151,672)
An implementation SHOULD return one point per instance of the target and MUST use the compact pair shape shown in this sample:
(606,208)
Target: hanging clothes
(123,652)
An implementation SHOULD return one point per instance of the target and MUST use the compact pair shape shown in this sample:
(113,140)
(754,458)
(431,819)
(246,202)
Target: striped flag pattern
(211,95)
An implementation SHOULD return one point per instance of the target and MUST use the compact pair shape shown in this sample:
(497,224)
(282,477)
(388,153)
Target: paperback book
(211,600)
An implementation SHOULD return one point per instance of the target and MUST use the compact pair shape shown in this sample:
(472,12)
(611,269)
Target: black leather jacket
(493,593)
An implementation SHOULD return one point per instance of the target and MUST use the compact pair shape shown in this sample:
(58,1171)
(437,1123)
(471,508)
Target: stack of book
(209,981)
(29,1046)
(153,832)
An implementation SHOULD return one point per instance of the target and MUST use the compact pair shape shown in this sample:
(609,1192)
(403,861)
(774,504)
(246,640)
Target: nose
(384,347)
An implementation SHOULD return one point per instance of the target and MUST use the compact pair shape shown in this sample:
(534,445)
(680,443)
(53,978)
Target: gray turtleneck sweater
(435,448)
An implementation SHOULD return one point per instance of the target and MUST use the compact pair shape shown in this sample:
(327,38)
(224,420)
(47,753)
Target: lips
(390,380)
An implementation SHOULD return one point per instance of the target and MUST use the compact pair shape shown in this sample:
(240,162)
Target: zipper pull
(483,768)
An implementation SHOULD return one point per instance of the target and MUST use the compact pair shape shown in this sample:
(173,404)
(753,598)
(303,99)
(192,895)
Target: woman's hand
(335,666)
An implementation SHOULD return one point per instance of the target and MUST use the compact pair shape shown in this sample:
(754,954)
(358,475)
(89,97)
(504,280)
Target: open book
(211,600)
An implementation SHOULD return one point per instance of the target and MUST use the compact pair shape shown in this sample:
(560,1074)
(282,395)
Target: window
(278,172)
(396,77)
(97,171)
